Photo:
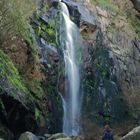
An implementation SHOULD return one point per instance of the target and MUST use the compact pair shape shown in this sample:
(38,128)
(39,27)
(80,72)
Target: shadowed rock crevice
(16,116)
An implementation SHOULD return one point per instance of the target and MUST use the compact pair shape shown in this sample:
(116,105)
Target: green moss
(47,31)
(39,117)
(15,87)
(45,8)
(10,73)
(35,88)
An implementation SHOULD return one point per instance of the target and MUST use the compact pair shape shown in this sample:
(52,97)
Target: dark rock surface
(136,4)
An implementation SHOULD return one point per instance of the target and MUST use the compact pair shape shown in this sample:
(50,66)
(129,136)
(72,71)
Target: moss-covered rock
(10,79)
(28,136)
(17,100)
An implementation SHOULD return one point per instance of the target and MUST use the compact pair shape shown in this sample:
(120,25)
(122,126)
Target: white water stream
(72,98)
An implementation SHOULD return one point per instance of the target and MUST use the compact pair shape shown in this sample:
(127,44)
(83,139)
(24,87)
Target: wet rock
(88,15)
(133,135)
(73,10)
(47,135)
(28,136)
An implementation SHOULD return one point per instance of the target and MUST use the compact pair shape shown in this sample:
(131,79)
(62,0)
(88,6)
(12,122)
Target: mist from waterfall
(70,38)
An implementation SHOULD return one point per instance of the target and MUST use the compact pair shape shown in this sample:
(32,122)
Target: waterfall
(69,38)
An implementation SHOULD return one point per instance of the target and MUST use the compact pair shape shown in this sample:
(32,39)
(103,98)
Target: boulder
(47,135)
(28,136)
(57,136)
(133,135)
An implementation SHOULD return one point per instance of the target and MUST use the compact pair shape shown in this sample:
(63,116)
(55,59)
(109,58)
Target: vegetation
(10,73)
(46,31)
(14,16)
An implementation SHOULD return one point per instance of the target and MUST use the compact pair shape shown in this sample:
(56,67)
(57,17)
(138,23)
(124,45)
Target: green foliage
(44,9)
(47,31)
(14,19)
(39,117)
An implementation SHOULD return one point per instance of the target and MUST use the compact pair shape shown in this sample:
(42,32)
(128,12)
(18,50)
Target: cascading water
(69,38)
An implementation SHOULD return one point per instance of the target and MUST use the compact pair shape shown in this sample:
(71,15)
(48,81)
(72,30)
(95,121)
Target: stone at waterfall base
(28,136)
(57,136)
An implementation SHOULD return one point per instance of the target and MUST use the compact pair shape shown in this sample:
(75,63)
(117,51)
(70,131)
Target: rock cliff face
(32,76)
(110,59)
